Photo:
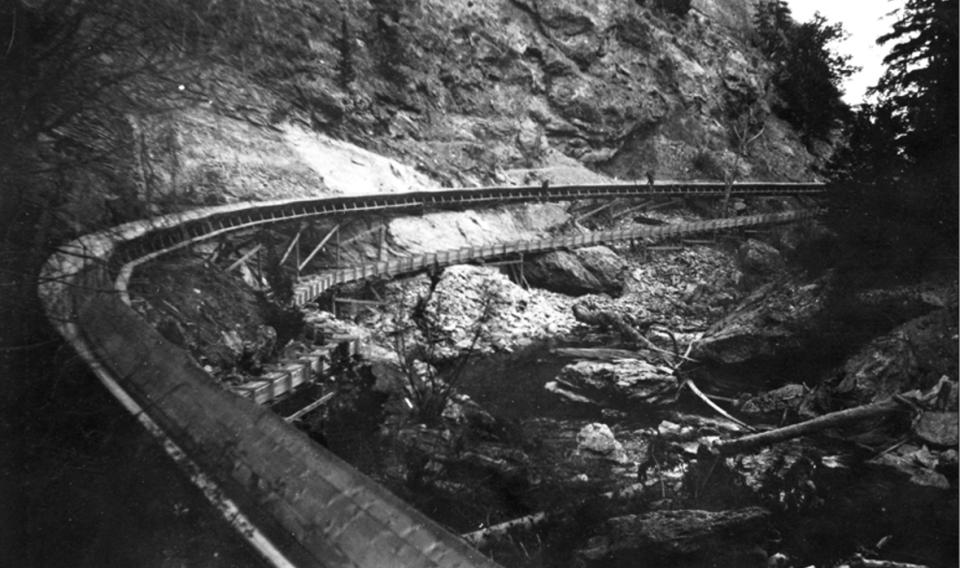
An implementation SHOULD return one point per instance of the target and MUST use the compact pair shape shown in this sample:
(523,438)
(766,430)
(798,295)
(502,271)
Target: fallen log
(660,537)
(702,396)
(528,522)
(595,353)
(860,562)
(820,423)
(613,320)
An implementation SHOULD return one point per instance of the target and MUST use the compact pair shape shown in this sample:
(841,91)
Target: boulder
(938,428)
(811,243)
(562,272)
(615,383)
(918,465)
(607,267)
(597,438)
(912,356)
(757,257)
(589,270)
(775,320)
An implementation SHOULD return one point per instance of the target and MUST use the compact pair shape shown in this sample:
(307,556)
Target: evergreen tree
(772,22)
(921,78)
(808,73)
(894,200)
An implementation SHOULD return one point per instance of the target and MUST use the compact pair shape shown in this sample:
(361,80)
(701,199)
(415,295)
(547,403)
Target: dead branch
(498,531)
(700,394)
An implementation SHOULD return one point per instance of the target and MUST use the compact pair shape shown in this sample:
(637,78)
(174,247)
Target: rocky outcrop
(468,93)
(590,270)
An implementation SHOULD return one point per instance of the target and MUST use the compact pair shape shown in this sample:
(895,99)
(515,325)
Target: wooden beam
(634,209)
(310,407)
(381,240)
(293,243)
(313,253)
(663,204)
(362,234)
(503,262)
(358,302)
(244,258)
(593,212)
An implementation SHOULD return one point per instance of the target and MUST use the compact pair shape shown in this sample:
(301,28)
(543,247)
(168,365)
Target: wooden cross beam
(244,258)
(593,212)
(293,243)
(334,231)
(362,234)
(359,302)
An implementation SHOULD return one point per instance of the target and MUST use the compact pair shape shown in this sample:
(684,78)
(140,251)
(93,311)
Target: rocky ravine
(622,434)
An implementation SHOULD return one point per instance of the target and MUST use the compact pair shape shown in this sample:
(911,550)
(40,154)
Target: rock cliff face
(622,88)
(464,93)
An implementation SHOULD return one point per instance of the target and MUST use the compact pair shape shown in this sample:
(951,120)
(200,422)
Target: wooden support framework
(334,231)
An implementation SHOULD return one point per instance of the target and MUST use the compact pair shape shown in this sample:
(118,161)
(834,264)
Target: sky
(865,21)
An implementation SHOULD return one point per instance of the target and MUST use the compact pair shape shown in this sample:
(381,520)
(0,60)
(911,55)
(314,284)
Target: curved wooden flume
(295,502)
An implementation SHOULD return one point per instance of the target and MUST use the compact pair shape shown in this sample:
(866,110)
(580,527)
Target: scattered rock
(782,476)
(938,428)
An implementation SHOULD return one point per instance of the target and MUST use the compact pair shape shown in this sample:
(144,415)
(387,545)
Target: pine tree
(895,194)
(921,77)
